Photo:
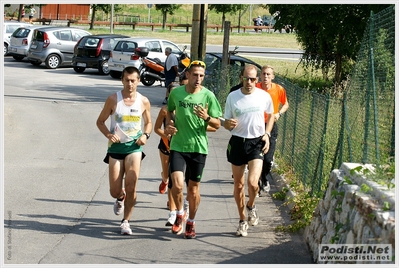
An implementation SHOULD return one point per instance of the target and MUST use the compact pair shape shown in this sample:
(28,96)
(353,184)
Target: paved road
(57,207)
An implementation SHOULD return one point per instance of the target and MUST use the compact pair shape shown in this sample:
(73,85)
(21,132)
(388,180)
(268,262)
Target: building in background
(56,11)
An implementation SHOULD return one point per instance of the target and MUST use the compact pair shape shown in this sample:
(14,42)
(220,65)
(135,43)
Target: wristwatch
(207,119)
(147,135)
(268,134)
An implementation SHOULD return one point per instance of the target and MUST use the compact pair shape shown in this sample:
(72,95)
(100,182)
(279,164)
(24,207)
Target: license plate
(12,49)
(81,64)
(119,66)
(33,46)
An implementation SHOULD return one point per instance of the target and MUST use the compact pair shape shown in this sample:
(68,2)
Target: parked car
(213,75)
(54,45)
(213,62)
(123,54)
(269,20)
(20,41)
(8,29)
(93,51)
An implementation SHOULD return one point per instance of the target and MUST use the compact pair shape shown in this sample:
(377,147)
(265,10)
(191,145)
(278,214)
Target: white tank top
(128,118)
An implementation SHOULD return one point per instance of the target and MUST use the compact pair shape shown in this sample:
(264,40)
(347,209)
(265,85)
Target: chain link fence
(320,132)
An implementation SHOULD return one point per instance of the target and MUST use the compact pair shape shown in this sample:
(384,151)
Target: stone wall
(350,215)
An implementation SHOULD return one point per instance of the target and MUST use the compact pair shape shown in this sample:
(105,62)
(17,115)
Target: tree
(329,34)
(101,7)
(167,9)
(224,9)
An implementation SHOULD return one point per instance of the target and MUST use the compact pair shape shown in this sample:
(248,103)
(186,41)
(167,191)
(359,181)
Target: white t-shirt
(249,111)
(171,61)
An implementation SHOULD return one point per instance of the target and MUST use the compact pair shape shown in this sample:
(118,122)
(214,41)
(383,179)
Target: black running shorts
(192,163)
(241,150)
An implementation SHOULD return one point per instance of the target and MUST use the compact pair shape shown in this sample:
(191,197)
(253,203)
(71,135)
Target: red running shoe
(190,230)
(162,187)
(177,227)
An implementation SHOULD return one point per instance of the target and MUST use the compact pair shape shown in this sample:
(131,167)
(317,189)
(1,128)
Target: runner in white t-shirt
(244,117)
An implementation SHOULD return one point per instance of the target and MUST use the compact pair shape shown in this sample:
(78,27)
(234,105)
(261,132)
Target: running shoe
(186,208)
(177,227)
(171,218)
(266,187)
(162,187)
(190,230)
(125,228)
(119,205)
(242,229)
(253,218)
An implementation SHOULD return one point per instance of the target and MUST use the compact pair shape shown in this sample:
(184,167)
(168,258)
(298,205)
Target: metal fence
(319,132)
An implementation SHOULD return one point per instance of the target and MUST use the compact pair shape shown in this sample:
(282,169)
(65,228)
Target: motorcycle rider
(171,70)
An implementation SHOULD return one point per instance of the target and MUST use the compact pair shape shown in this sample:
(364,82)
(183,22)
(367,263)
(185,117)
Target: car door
(65,44)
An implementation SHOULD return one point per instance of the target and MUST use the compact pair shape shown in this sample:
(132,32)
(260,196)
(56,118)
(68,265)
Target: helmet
(258,16)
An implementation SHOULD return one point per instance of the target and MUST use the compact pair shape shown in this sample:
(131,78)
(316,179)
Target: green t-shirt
(191,135)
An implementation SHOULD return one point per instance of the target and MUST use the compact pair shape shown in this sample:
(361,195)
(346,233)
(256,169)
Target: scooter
(153,70)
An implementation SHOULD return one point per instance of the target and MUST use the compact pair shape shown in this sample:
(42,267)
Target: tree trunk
(324,71)
(21,6)
(223,20)
(338,69)
(164,20)
(338,64)
(93,15)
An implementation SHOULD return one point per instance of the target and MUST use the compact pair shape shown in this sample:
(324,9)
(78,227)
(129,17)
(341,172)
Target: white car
(123,54)
(20,41)
(8,29)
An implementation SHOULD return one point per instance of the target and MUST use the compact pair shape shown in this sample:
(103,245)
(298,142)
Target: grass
(184,14)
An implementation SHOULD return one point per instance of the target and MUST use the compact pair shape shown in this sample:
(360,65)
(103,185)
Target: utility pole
(111,24)
(198,34)
(226,57)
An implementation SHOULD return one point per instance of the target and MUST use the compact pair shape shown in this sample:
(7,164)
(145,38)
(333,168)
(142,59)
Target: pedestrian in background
(171,70)
(32,13)
(191,108)
(244,118)
(280,106)
(127,109)
(23,12)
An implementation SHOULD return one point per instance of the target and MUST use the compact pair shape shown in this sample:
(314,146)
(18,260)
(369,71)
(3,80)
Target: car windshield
(21,32)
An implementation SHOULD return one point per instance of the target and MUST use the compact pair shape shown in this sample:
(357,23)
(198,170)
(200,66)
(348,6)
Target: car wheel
(115,74)
(18,58)
(79,69)
(5,49)
(104,69)
(35,62)
(147,80)
(53,61)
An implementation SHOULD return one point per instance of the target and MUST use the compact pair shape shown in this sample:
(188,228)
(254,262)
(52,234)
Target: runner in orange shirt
(280,104)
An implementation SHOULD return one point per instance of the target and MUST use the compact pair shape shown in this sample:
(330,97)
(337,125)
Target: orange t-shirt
(278,95)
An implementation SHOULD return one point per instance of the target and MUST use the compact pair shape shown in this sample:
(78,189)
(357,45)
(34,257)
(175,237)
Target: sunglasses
(252,79)
(197,63)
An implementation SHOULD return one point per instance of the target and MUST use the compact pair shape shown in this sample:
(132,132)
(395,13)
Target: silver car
(54,45)
(20,41)
(123,54)
(9,28)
